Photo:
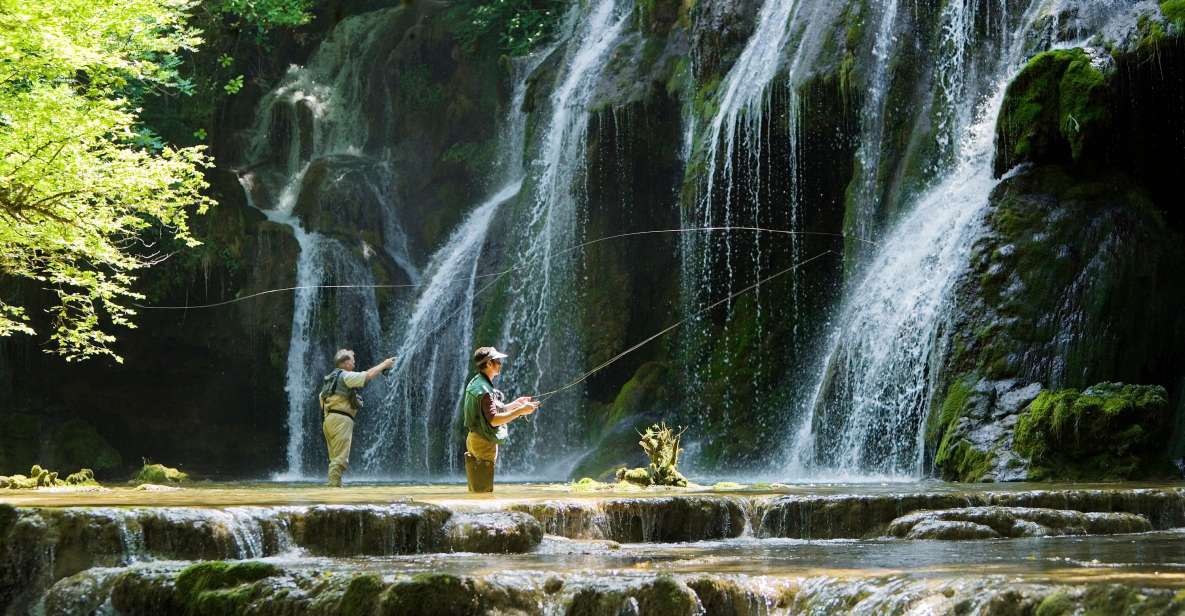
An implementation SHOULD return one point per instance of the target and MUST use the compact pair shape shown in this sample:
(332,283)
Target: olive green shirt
(478,390)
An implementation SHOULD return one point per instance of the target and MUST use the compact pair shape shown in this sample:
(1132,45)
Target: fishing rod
(500,274)
(584,377)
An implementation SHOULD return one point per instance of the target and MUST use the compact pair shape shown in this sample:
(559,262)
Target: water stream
(876,382)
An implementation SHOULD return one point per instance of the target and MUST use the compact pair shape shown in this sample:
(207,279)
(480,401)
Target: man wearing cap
(486,418)
(339,405)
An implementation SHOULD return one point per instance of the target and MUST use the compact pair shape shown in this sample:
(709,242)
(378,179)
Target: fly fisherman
(486,418)
(339,404)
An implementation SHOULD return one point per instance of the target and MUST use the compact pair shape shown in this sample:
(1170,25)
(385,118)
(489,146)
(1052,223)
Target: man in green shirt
(486,418)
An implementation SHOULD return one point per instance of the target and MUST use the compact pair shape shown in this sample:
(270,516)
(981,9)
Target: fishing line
(502,273)
(680,322)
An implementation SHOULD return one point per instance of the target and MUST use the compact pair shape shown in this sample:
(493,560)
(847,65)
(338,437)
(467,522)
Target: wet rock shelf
(998,522)
(262,588)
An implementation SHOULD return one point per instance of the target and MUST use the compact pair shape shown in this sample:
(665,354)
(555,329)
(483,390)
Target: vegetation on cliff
(1107,431)
(1057,109)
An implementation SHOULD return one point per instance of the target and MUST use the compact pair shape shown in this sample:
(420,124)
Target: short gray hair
(341,356)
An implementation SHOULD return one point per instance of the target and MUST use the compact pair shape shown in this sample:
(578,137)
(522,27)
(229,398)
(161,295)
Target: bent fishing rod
(500,274)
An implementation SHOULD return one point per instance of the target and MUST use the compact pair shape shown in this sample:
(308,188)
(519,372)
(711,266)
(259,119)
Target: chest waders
(479,473)
(483,438)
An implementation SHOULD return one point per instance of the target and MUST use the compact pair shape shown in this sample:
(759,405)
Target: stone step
(217,588)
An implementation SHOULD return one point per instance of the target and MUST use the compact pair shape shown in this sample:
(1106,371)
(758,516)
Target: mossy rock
(636,476)
(449,595)
(362,595)
(160,474)
(217,588)
(1058,109)
(1108,431)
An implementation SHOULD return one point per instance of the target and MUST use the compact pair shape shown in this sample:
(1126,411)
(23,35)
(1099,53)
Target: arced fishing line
(676,324)
(499,274)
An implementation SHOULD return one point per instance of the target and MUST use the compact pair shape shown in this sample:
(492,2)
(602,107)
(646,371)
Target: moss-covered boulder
(1057,109)
(664,596)
(207,587)
(43,478)
(1107,431)
(160,474)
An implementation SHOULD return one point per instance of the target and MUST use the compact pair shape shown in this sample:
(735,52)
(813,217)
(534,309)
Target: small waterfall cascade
(747,170)
(537,326)
(738,128)
(875,387)
(310,147)
(870,152)
(421,436)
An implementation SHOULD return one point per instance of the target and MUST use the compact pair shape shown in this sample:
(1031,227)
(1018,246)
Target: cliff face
(854,116)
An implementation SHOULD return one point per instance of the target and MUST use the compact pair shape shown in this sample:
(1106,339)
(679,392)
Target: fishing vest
(332,386)
(475,419)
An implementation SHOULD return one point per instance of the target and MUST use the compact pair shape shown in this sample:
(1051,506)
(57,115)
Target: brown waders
(480,456)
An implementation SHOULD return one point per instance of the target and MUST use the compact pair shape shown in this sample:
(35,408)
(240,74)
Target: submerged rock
(993,522)
(493,533)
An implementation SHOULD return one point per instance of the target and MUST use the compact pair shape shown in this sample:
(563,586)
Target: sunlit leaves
(80,179)
(517,25)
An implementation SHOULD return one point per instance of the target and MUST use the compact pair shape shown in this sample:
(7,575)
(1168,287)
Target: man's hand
(380,368)
(530,405)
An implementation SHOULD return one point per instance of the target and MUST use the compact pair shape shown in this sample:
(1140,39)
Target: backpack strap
(322,396)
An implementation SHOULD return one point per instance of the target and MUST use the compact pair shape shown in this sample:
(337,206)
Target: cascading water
(869,154)
(418,438)
(875,386)
(537,328)
(315,123)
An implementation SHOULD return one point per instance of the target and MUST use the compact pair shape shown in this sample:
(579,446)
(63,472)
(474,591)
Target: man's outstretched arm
(378,369)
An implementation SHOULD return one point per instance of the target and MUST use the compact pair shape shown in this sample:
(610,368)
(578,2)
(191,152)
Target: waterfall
(537,328)
(419,435)
(869,154)
(875,384)
(315,122)
(737,125)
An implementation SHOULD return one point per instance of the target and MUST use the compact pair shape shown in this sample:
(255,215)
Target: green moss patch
(161,474)
(220,587)
(1108,431)
(1056,110)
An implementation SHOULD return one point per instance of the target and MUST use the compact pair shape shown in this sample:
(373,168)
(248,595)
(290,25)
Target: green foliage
(1174,12)
(514,27)
(265,15)
(80,179)
(1109,430)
